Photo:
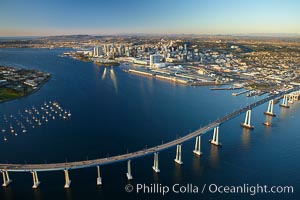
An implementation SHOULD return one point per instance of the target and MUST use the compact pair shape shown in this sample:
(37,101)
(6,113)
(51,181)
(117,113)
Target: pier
(239,93)
(144,73)
(226,88)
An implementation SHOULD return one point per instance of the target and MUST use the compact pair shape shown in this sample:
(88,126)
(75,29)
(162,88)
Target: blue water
(120,112)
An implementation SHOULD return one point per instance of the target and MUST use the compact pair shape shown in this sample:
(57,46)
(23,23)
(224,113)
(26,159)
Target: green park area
(7,94)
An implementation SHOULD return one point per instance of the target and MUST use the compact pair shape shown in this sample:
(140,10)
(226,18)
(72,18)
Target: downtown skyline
(43,18)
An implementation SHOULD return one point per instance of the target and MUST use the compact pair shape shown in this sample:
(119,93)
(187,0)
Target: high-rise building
(154,59)
(121,50)
(97,51)
(108,48)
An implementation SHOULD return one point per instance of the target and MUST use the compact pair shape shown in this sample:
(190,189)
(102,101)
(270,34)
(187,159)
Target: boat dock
(243,92)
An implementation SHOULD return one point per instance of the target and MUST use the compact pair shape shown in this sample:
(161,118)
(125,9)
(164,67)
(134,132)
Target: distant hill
(69,37)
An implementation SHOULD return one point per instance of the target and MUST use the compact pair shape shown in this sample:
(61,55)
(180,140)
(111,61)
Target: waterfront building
(154,59)
(97,51)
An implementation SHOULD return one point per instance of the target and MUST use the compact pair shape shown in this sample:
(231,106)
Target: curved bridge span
(33,168)
(105,161)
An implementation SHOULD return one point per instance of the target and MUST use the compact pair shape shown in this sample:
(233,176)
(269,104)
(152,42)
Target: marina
(32,117)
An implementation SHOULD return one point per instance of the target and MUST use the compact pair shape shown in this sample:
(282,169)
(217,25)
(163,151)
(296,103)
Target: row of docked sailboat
(31,118)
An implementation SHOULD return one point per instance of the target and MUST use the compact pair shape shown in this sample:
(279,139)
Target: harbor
(98,118)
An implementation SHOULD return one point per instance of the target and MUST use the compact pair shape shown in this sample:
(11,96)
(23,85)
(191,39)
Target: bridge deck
(140,153)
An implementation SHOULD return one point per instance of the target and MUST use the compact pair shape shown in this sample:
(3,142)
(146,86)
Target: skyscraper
(97,51)
(154,59)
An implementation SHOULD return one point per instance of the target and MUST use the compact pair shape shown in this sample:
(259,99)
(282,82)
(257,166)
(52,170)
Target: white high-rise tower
(97,51)
(154,59)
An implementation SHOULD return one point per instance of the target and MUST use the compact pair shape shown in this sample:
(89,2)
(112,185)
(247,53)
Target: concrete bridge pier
(290,99)
(128,174)
(178,155)
(67,179)
(285,101)
(197,149)
(295,95)
(215,139)
(6,179)
(247,123)
(99,179)
(270,109)
(155,164)
(36,181)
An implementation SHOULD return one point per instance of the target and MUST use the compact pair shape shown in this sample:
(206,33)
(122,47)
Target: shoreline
(172,79)
(100,64)
(29,93)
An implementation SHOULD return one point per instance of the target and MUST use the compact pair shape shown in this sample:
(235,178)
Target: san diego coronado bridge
(288,97)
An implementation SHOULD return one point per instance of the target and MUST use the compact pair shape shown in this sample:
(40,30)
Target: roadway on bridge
(140,153)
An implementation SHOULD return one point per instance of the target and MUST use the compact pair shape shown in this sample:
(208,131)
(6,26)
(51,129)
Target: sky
(99,17)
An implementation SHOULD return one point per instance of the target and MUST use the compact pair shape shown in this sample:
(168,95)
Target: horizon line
(157,34)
